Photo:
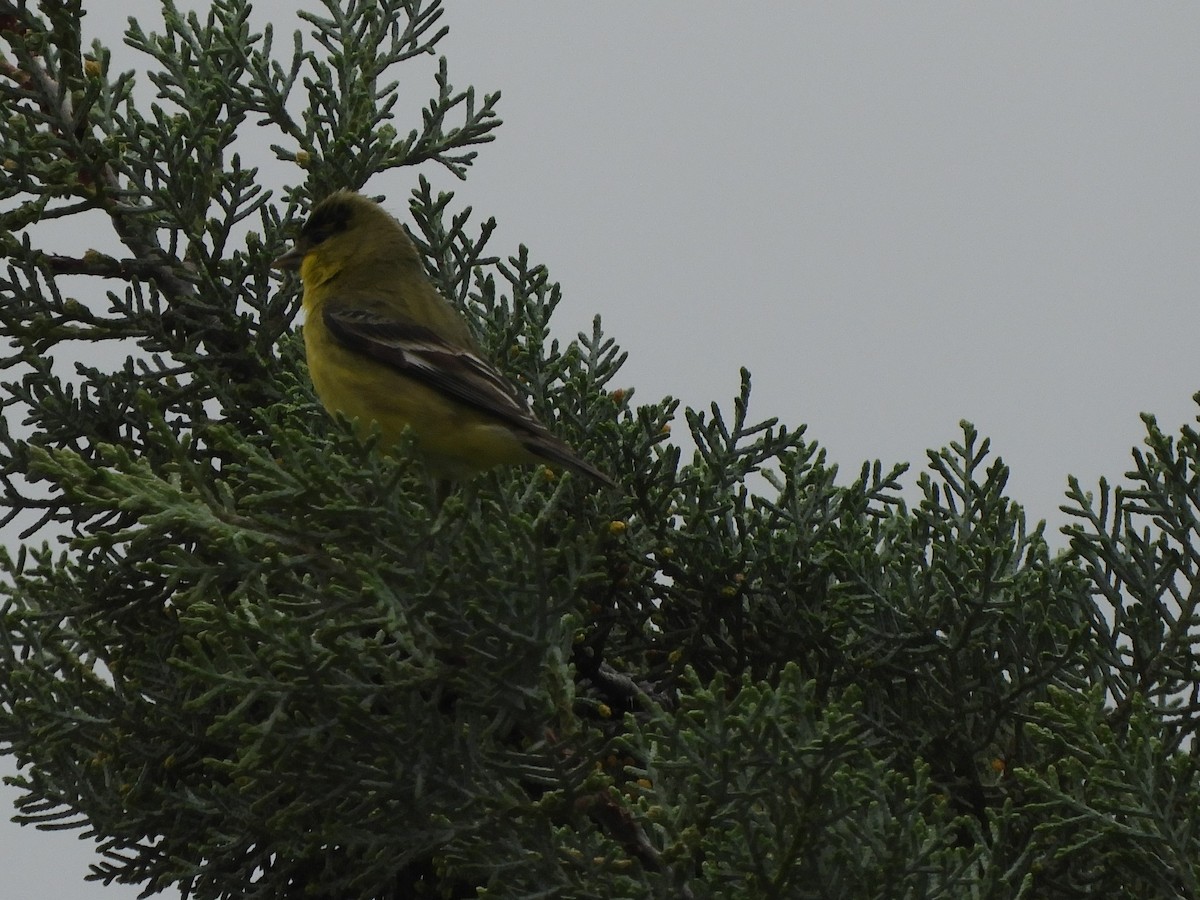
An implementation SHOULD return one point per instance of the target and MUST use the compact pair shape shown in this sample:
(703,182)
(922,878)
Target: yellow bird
(385,347)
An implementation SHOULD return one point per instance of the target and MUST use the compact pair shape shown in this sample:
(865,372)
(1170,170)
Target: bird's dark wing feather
(419,353)
(457,372)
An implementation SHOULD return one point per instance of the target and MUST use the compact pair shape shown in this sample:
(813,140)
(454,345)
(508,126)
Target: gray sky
(896,215)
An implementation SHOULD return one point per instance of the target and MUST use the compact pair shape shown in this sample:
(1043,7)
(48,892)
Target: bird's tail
(557,453)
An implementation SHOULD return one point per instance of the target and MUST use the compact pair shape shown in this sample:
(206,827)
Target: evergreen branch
(100,265)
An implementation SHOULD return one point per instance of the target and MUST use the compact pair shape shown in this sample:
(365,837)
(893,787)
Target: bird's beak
(290,261)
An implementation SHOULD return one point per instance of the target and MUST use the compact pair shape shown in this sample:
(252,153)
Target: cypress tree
(253,657)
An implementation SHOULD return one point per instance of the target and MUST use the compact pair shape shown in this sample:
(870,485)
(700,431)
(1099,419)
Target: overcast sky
(897,216)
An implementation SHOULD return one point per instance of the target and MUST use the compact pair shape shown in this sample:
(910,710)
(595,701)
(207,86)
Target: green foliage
(265,663)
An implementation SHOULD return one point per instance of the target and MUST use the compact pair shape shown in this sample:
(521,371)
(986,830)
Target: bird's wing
(457,372)
(419,353)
